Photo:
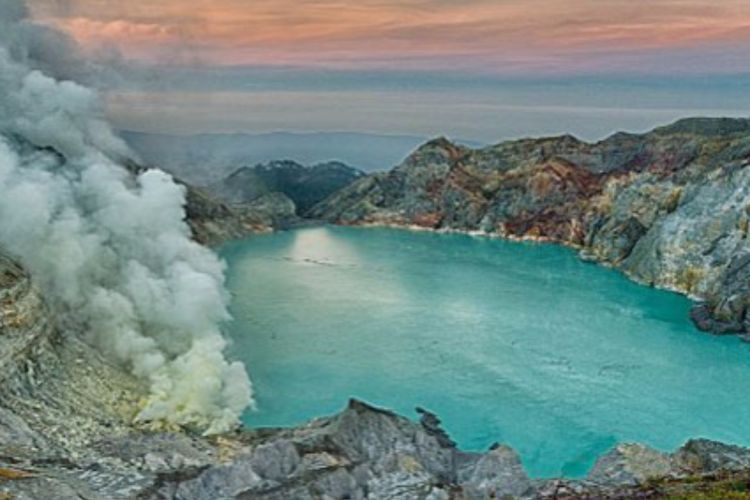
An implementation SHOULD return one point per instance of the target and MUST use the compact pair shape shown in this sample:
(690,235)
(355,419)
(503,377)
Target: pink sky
(486,35)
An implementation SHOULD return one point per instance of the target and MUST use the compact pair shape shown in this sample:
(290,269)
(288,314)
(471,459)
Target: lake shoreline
(270,263)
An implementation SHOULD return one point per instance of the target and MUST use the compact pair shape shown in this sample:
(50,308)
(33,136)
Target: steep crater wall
(670,208)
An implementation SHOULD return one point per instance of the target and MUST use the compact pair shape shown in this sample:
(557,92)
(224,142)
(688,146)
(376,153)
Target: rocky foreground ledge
(363,452)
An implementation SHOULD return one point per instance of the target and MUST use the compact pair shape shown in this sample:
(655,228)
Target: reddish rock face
(428,220)
(563,177)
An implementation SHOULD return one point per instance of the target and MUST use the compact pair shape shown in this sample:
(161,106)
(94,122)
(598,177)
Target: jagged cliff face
(669,207)
(212,221)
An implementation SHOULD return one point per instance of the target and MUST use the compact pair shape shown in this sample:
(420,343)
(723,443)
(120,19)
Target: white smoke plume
(110,247)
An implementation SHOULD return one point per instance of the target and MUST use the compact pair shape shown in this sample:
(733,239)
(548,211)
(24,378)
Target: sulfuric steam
(109,246)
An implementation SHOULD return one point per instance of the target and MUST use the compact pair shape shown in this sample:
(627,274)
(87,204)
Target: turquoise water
(516,343)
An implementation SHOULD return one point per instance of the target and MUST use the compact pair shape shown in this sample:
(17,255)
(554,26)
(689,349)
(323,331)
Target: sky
(475,69)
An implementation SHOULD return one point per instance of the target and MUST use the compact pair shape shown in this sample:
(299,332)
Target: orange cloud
(404,33)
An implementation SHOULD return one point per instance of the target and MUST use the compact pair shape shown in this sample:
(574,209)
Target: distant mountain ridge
(708,127)
(304,185)
(207,158)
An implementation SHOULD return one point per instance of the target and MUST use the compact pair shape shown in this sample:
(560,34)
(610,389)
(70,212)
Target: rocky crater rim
(669,208)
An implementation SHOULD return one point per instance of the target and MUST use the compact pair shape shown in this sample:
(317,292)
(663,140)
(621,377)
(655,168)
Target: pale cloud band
(494,36)
(474,69)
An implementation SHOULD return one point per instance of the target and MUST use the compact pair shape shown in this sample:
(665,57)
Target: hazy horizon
(475,70)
